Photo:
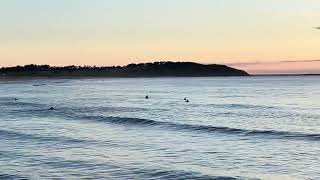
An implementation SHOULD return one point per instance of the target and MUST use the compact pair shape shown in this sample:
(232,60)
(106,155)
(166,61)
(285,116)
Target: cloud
(315,60)
(280,67)
(272,62)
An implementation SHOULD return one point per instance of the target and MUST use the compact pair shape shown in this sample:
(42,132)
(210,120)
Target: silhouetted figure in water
(52,108)
(15,99)
(147,97)
(185,99)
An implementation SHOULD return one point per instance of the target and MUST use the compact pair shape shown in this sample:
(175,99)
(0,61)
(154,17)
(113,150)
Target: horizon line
(191,61)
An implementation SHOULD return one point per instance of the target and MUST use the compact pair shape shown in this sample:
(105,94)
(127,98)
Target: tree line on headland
(156,69)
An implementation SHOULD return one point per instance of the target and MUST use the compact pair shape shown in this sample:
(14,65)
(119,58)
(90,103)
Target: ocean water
(232,128)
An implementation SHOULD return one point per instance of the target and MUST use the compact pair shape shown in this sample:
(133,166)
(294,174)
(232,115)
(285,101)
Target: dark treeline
(156,69)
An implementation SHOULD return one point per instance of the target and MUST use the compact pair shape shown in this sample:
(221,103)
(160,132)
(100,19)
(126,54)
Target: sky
(260,36)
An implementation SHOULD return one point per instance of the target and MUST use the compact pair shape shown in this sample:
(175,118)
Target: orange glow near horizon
(299,67)
(106,33)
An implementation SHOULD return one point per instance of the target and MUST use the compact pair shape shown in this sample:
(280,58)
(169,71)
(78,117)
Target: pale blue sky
(106,32)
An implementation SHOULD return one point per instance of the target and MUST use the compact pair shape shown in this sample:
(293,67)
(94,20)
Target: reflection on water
(232,128)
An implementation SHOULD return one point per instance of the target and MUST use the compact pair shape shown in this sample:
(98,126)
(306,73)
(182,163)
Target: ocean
(265,127)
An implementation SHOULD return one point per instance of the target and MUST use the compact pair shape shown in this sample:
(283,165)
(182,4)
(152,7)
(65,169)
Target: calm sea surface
(232,128)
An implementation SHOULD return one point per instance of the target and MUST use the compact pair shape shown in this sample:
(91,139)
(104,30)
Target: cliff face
(156,69)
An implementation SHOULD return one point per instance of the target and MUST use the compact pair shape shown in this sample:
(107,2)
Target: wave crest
(204,128)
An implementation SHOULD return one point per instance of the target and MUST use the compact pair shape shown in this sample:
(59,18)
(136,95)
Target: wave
(205,128)
(41,107)
(5,99)
(94,109)
(165,175)
(4,134)
(37,85)
(87,113)
(118,171)
(22,104)
(13,177)
(243,106)
(177,174)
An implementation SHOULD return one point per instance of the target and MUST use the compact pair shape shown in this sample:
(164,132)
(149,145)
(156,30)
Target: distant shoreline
(142,70)
(100,77)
